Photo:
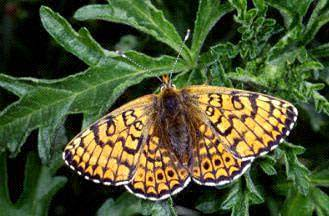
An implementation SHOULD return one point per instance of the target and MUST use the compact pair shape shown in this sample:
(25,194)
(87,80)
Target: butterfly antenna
(120,53)
(187,35)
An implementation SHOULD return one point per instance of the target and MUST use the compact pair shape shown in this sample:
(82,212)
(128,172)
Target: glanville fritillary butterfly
(157,143)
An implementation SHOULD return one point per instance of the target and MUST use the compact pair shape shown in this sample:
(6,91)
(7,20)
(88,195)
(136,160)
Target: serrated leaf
(225,49)
(259,4)
(80,44)
(319,17)
(295,170)
(197,77)
(218,75)
(139,14)
(40,186)
(320,177)
(255,196)
(321,51)
(247,78)
(209,12)
(267,165)
(128,204)
(240,6)
(235,199)
(46,137)
(280,50)
(240,197)
(321,201)
(94,89)
(292,11)
(17,87)
(296,204)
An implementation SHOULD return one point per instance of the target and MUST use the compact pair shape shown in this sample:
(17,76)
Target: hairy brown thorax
(176,123)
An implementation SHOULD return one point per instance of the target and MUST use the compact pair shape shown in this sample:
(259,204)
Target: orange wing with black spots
(159,173)
(248,124)
(212,164)
(108,151)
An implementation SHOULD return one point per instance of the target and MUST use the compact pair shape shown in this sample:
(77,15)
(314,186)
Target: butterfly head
(167,83)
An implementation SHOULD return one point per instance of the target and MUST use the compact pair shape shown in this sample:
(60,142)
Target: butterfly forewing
(248,124)
(109,150)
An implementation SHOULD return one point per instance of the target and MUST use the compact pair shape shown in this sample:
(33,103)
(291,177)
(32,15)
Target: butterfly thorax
(173,120)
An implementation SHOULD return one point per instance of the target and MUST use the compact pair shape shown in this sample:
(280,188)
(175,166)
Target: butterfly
(156,144)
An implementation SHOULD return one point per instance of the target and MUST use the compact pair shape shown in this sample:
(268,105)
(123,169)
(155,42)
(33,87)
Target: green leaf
(319,17)
(50,101)
(267,165)
(240,6)
(209,203)
(140,14)
(292,11)
(225,49)
(255,29)
(219,59)
(218,75)
(296,204)
(321,201)
(180,79)
(46,135)
(300,205)
(247,78)
(321,51)
(309,91)
(209,13)
(255,196)
(18,87)
(94,89)
(128,204)
(241,196)
(295,170)
(273,206)
(320,177)
(196,77)
(80,44)
(236,201)
(284,47)
(40,186)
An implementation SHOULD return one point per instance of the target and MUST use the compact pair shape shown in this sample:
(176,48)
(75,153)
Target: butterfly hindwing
(248,124)
(213,164)
(159,173)
(108,151)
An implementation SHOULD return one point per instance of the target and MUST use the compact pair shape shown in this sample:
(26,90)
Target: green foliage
(128,204)
(295,170)
(39,187)
(44,104)
(265,55)
(142,15)
(241,196)
(315,201)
